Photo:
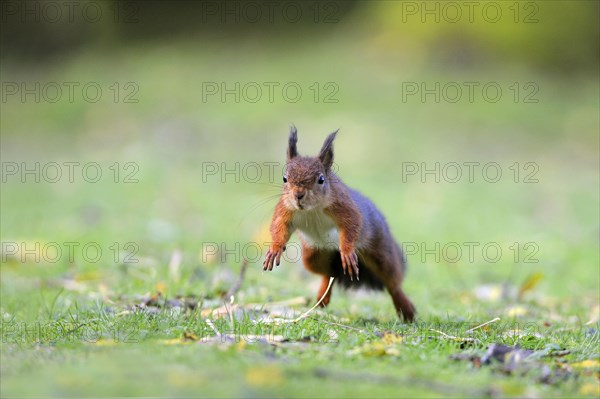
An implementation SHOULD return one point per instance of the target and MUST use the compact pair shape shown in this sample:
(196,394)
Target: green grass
(68,328)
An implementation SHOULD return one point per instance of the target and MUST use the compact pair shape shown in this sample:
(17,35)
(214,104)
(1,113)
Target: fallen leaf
(261,376)
(105,342)
(386,346)
(389,338)
(530,283)
(375,349)
(190,336)
(586,364)
(516,311)
(590,389)
(161,288)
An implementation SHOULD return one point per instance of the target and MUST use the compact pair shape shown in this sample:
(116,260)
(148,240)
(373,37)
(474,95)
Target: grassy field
(175,184)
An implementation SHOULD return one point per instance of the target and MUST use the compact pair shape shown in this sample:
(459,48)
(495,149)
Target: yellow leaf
(183,378)
(264,376)
(590,389)
(374,349)
(390,339)
(240,346)
(87,276)
(105,342)
(530,283)
(586,364)
(174,341)
(384,347)
(517,311)
(161,287)
(190,336)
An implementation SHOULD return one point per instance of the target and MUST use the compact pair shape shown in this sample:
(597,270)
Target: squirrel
(341,231)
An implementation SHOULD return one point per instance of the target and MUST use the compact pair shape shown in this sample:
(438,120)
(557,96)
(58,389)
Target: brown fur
(343,234)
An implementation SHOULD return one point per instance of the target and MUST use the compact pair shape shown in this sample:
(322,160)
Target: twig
(482,325)
(238,284)
(340,325)
(212,326)
(452,337)
(305,314)
(230,311)
(443,333)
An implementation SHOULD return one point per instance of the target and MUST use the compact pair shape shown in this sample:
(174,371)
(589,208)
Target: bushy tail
(366,276)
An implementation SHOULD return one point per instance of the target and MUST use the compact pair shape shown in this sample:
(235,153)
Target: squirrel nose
(299,195)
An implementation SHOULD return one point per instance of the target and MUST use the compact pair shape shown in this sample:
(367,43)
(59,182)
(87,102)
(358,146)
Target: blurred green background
(185,87)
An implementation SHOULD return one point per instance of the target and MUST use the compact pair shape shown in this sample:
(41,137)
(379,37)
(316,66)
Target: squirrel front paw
(350,262)
(273,256)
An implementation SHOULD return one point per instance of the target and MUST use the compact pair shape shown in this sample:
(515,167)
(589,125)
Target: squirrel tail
(367,277)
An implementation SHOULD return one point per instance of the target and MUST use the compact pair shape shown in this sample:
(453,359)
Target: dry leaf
(530,283)
(587,364)
(590,389)
(261,376)
(386,346)
(516,311)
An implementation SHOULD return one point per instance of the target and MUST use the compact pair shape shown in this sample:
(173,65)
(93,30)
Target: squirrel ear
(292,151)
(326,153)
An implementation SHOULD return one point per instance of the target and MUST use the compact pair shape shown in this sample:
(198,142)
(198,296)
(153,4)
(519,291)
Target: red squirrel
(343,234)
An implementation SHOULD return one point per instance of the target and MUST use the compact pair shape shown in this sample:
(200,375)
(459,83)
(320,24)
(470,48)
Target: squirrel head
(307,181)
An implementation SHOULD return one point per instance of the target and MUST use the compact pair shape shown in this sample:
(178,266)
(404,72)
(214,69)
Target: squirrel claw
(273,256)
(350,263)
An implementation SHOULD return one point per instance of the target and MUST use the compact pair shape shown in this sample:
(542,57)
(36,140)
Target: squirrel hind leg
(404,307)
(390,271)
(319,261)
(321,293)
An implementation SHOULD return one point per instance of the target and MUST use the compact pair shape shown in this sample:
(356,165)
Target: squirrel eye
(321,179)
(284,179)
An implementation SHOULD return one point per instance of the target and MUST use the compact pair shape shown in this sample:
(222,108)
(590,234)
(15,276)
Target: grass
(69,327)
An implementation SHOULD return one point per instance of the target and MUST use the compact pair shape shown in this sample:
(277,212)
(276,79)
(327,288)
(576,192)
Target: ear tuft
(292,150)
(326,153)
